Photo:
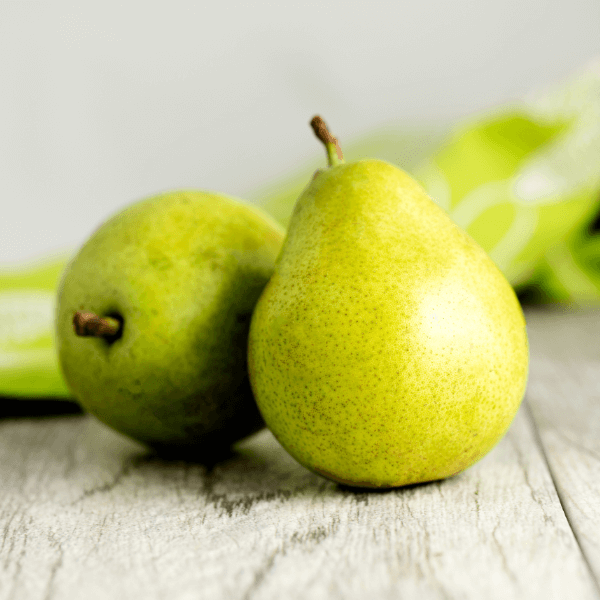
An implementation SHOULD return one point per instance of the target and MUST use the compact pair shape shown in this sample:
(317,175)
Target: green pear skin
(387,348)
(182,271)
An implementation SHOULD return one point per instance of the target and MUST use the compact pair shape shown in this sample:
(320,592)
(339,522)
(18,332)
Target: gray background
(102,104)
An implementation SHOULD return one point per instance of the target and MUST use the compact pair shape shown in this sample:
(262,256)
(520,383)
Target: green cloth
(28,362)
(524,181)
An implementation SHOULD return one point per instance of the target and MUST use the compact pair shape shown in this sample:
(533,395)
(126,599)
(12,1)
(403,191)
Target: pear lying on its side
(164,292)
(387,349)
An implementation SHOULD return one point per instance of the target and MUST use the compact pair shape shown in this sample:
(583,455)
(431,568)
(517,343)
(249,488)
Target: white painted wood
(87,514)
(564,396)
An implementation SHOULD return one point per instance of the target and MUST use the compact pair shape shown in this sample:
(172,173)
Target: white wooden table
(85,513)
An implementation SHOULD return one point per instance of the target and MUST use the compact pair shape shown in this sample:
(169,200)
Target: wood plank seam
(559,493)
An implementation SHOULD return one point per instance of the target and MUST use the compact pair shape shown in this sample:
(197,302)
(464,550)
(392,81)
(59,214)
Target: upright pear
(387,348)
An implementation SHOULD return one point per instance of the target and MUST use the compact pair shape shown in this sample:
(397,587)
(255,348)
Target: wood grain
(564,395)
(85,513)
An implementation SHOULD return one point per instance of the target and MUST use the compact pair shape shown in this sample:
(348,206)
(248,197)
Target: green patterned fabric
(525,183)
(28,361)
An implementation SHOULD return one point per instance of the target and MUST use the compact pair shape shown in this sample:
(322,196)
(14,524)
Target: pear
(153,316)
(387,349)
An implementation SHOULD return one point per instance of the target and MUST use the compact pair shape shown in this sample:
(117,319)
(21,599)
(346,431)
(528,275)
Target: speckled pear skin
(387,348)
(184,271)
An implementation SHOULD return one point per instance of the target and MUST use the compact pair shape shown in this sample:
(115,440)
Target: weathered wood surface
(85,513)
(564,396)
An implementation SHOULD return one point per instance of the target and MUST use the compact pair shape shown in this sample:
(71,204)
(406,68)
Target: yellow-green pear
(387,349)
(153,316)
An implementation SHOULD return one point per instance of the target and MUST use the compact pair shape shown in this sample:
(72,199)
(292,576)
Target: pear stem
(334,152)
(87,323)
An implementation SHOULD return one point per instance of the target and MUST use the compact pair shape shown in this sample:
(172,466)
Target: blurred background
(101,105)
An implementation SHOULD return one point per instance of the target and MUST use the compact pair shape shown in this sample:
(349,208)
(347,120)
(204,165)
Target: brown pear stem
(87,323)
(334,152)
